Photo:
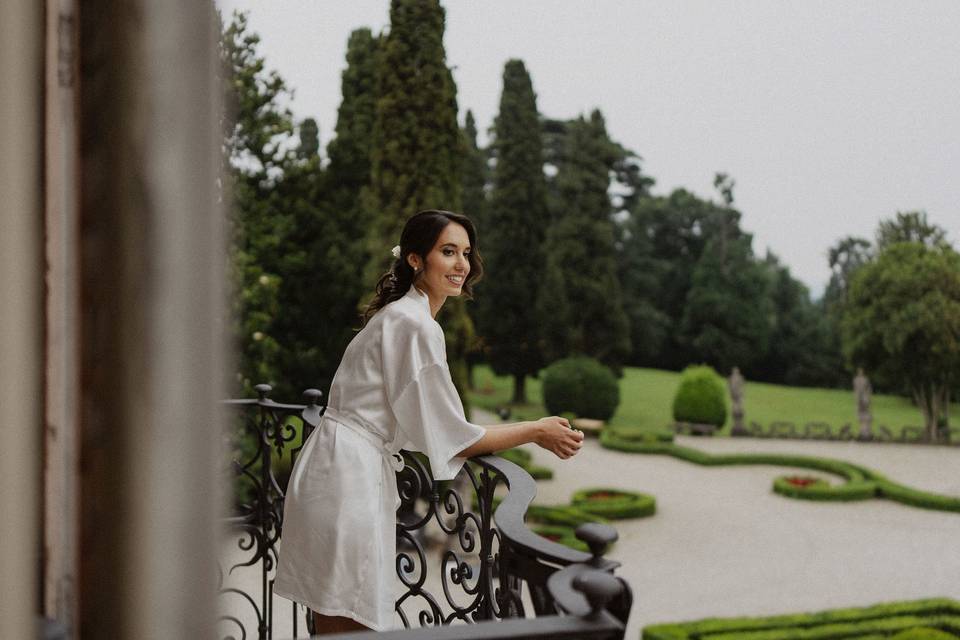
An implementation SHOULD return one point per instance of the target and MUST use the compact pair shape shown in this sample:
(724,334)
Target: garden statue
(735,383)
(863,390)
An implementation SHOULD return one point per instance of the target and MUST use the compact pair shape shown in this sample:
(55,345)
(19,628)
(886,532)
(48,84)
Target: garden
(722,528)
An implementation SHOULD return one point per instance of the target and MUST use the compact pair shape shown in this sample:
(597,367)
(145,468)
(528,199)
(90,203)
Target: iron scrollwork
(469,562)
(464,554)
(262,435)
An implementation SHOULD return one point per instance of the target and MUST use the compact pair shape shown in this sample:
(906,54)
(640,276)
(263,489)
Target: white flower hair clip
(395,251)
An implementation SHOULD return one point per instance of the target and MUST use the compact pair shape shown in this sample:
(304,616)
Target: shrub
(582,386)
(701,397)
(927,619)
(615,504)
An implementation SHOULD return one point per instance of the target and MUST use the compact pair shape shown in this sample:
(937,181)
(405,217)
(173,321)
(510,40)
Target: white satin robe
(392,391)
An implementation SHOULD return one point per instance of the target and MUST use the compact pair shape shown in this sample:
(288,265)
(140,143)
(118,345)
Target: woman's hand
(555,434)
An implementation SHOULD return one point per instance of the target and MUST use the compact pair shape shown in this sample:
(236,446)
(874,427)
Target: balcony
(464,554)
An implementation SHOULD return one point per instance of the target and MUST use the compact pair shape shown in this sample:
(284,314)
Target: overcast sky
(829,115)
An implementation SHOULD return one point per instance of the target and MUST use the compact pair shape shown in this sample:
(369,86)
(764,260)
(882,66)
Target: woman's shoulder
(406,315)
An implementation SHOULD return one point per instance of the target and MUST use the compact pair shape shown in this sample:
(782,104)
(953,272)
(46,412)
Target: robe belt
(391,455)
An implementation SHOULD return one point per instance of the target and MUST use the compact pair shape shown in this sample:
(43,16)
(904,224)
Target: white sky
(829,115)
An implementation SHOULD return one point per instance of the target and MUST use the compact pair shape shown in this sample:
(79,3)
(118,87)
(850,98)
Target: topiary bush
(582,386)
(700,397)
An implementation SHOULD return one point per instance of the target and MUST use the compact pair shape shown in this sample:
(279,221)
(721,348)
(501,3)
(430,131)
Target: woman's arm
(553,434)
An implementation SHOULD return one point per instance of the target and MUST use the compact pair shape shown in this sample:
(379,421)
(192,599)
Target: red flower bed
(604,495)
(802,481)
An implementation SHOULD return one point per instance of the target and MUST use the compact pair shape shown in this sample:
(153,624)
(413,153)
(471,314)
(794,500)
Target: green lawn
(646,396)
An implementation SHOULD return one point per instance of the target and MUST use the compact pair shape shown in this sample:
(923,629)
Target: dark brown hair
(419,235)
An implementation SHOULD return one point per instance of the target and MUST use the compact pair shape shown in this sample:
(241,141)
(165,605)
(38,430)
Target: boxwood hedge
(928,619)
(859,483)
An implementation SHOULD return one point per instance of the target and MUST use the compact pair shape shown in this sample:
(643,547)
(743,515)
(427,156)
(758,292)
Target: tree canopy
(903,323)
(580,300)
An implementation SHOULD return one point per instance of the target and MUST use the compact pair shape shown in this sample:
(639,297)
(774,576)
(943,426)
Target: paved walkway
(723,544)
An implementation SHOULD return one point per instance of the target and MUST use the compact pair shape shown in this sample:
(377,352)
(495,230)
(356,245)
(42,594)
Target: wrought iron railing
(464,554)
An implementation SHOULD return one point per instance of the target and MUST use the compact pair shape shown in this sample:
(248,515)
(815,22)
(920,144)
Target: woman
(392,391)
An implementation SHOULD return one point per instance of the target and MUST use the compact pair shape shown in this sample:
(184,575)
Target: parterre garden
(639,426)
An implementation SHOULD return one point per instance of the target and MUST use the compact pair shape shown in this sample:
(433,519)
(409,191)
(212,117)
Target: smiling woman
(437,255)
(392,391)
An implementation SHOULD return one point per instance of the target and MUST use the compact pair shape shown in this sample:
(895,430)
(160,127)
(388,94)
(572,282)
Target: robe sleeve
(425,403)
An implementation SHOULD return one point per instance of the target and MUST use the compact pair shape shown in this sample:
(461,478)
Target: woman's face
(447,264)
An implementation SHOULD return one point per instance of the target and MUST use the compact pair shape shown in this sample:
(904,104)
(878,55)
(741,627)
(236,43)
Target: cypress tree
(348,174)
(515,235)
(309,139)
(474,187)
(321,285)
(417,149)
(475,174)
(581,302)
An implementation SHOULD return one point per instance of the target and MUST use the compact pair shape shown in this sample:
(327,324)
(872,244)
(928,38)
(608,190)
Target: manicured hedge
(860,483)
(888,621)
(700,397)
(615,504)
(641,435)
(559,522)
(582,386)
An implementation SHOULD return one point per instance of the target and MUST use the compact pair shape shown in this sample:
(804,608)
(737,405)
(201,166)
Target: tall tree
(903,324)
(727,318)
(474,177)
(845,257)
(910,226)
(257,129)
(323,279)
(515,233)
(800,351)
(417,148)
(642,277)
(580,298)
(663,241)
(309,146)
(348,174)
